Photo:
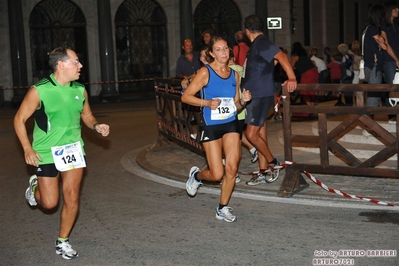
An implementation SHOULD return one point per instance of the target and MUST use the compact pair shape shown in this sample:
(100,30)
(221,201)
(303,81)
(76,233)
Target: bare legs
(47,195)
(258,137)
(230,146)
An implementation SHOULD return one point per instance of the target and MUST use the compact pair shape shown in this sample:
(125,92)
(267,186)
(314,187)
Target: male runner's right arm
(28,106)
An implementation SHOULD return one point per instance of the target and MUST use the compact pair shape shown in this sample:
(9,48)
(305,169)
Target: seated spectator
(335,67)
(188,63)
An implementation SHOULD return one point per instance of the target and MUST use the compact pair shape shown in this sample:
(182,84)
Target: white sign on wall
(274,23)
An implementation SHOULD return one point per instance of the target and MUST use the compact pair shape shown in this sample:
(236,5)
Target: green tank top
(57,120)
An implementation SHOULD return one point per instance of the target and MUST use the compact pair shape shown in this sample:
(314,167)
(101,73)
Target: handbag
(394,95)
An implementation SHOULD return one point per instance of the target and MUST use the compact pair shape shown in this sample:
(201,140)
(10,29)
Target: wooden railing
(178,122)
(327,141)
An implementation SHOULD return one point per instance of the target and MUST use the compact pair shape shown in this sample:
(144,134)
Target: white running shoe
(257,179)
(225,214)
(191,184)
(29,196)
(254,156)
(65,249)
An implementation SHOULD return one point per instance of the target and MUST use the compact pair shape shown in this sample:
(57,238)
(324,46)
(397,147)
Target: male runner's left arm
(90,121)
(286,65)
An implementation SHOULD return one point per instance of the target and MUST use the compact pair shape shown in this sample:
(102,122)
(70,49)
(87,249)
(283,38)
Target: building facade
(123,43)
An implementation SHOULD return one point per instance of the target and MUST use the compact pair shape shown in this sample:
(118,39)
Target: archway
(141,46)
(55,23)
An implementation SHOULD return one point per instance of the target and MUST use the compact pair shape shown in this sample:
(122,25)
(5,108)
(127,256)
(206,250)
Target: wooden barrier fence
(178,122)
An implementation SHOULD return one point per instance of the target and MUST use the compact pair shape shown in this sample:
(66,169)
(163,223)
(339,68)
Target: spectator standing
(357,57)
(390,27)
(241,49)
(347,71)
(327,54)
(204,61)
(207,36)
(320,64)
(258,79)
(58,103)
(374,43)
(306,69)
(188,63)
(219,87)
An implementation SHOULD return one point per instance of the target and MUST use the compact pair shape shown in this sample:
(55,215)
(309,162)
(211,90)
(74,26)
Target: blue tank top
(221,88)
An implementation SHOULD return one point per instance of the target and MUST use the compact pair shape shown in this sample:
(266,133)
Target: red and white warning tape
(277,106)
(322,185)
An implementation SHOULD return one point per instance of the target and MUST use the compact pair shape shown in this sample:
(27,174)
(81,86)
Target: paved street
(129,217)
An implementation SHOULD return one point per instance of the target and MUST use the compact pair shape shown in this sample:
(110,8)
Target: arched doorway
(141,46)
(55,23)
(223,16)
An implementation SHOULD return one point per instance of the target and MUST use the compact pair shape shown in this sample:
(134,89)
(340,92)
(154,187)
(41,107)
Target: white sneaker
(257,179)
(64,249)
(29,196)
(238,178)
(225,214)
(191,184)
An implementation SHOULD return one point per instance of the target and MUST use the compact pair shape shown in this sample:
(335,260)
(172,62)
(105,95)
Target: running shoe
(64,249)
(274,171)
(225,214)
(254,156)
(257,179)
(238,178)
(29,196)
(191,184)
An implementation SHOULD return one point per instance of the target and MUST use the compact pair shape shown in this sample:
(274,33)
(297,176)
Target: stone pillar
(107,65)
(17,50)
(186,20)
(261,10)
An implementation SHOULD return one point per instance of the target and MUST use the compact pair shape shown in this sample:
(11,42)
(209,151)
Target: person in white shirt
(320,64)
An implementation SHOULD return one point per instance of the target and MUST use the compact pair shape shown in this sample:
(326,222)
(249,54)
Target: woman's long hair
(298,50)
(376,16)
(388,7)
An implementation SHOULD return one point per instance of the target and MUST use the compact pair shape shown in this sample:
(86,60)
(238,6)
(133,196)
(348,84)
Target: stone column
(17,50)
(186,20)
(107,65)
(261,10)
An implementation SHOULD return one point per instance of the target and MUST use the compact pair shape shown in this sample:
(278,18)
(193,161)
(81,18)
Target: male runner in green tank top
(58,103)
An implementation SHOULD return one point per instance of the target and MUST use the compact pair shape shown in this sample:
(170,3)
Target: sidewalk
(171,161)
